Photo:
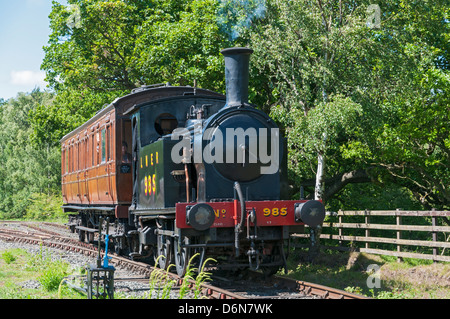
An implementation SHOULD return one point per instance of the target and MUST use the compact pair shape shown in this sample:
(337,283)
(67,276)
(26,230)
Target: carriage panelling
(94,173)
(88,164)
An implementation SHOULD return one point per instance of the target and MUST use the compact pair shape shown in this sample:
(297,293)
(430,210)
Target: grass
(19,269)
(161,284)
(372,275)
(51,278)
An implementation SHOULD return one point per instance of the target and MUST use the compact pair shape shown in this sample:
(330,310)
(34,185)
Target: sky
(24,30)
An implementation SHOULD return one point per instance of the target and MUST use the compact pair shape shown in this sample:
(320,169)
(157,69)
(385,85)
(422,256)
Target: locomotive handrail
(238,225)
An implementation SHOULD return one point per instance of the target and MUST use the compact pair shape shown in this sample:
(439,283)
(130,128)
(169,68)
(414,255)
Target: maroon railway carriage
(96,162)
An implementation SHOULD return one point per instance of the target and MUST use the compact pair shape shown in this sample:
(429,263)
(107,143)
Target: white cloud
(29,78)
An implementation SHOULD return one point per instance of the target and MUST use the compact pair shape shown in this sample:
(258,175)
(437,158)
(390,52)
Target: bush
(53,271)
(45,207)
(8,257)
(53,275)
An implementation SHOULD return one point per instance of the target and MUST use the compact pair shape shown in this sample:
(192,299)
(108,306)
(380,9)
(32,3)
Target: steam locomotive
(181,170)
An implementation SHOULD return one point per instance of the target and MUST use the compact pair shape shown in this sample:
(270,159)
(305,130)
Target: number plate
(268,213)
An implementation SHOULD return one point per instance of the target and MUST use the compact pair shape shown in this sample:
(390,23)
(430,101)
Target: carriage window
(103,145)
(66,160)
(70,158)
(75,157)
(126,142)
(153,123)
(165,124)
(86,152)
(81,155)
(108,142)
(93,143)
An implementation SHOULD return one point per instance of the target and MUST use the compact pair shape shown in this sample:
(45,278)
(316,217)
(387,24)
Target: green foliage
(374,197)
(53,274)
(51,271)
(202,277)
(33,268)
(199,276)
(8,257)
(160,282)
(39,260)
(351,272)
(100,50)
(325,129)
(26,168)
(45,207)
(182,45)
(380,94)
(93,52)
(371,99)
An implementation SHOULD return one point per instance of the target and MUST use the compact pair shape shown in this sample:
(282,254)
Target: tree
(100,50)
(327,68)
(91,45)
(182,44)
(25,169)
(356,83)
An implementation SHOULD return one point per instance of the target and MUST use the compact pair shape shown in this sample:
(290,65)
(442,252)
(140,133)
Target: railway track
(256,286)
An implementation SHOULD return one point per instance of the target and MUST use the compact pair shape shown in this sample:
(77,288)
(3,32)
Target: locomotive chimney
(236,75)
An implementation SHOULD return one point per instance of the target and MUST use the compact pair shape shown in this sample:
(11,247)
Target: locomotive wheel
(181,255)
(164,250)
(119,245)
(277,256)
(119,237)
(164,245)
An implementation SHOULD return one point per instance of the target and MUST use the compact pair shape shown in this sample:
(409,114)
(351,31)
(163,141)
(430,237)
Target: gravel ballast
(123,288)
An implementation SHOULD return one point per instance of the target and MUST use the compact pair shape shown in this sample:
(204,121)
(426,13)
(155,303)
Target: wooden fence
(433,243)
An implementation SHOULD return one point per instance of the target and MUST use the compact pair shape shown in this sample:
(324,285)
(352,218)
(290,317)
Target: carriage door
(87,164)
(65,170)
(106,184)
(76,160)
(110,164)
(135,150)
(124,161)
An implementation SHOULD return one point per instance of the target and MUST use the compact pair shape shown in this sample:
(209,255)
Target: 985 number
(275,211)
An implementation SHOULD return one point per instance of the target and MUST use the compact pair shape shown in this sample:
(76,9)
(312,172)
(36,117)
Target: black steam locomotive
(207,175)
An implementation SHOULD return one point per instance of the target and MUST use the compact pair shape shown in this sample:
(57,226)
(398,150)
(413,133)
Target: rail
(390,229)
(295,289)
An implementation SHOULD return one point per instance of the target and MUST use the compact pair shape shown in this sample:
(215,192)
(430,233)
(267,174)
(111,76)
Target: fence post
(434,234)
(367,221)
(340,226)
(399,232)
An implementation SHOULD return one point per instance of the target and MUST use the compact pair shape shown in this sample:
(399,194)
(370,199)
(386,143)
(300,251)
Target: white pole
(319,177)
(320,184)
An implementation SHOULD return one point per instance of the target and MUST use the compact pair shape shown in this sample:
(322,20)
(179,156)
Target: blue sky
(24,30)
